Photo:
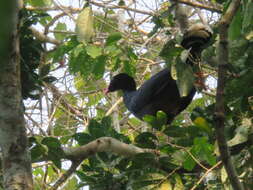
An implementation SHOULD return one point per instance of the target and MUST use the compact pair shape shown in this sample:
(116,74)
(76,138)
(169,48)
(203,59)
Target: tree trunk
(16,163)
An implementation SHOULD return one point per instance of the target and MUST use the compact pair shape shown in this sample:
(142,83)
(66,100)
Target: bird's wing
(152,88)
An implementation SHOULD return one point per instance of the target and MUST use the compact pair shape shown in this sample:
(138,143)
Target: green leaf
(248,17)
(204,150)
(55,152)
(60,27)
(58,54)
(37,151)
(236,26)
(203,124)
(129,68)
(106,122)
(99,66)
(175,131)
(95,129)
(93,51)
(161,118)
(60,130)
(83,177)
(146,140)
(150,119)
(83,138)
(80,62)
(185,78)
(57,162)
(71,183)
(179,184)
(84,25)
(51,142)
(170,50)
(167,162)
(37,3)
(142,160)
(113,38)
(189,163)
(167,149)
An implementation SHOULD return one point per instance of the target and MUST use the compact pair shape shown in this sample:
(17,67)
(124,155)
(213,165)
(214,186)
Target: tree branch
(64,177)
(114,106)
(213,8)
(104,144)
(15,157)
(40,36)
(72,109)
(206,173)
(75,10)
(219,107)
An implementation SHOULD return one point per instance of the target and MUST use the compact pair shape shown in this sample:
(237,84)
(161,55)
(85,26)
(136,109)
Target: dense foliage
(66,77)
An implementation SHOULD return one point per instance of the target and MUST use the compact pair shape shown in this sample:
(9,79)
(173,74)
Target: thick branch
(104,144)
(220,111)
(213,8)
(40,36)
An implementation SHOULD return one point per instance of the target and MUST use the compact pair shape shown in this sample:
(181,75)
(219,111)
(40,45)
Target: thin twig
(191,155)
(114,106)
(66,175)
(206,173)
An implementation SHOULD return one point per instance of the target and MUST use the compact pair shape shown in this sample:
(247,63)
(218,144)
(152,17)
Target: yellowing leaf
(165,186)
(84,25)
(202,123)
(242,132)
(179,184)
(184,55)
(173,72)
(249,36)
(224,175)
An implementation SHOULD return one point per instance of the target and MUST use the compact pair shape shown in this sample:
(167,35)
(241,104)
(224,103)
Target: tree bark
(16,162)
(223,54)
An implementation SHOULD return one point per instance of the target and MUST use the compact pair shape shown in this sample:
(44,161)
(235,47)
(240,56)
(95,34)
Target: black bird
(160,92)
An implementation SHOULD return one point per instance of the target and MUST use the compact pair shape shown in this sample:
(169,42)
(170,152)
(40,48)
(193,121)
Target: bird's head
(121,81)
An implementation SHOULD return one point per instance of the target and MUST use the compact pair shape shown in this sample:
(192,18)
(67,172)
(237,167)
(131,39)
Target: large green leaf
(113,38)
(185,78)
(84,25)
(236,26)
(248,16)
(93,51)
(175,131)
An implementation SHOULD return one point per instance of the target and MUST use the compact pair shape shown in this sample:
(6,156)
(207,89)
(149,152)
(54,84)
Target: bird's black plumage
(160,92)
